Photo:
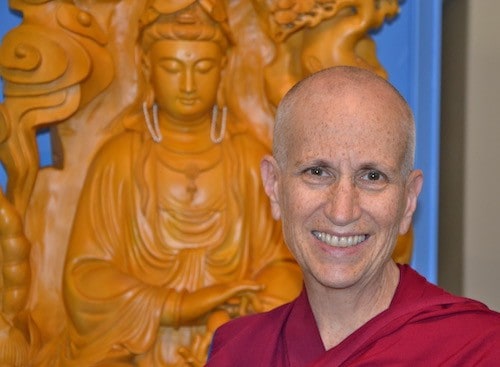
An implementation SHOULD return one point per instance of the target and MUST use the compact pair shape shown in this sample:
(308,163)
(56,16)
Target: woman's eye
(316,171)
(317,175)
(373,179)
(374,176)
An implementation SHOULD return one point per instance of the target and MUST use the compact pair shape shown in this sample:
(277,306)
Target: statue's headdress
(203,20)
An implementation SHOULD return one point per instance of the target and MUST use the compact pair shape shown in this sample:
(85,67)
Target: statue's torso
(198,220)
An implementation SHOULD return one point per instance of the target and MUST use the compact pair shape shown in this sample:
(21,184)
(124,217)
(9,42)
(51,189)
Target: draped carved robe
(138,239)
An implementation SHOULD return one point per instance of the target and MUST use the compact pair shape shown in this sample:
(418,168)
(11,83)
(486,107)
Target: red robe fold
(423,326)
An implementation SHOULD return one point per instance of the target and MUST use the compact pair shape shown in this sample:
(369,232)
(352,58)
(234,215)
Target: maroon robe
(423,326)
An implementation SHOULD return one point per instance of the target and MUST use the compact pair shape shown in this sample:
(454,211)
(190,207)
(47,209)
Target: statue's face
(185,76)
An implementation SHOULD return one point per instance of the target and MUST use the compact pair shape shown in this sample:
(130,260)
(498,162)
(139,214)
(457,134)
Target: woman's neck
(339,312)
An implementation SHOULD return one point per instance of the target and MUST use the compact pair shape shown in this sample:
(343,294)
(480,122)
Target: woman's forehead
(355,132)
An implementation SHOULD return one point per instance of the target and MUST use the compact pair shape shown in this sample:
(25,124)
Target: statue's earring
(214,136)
(154,128)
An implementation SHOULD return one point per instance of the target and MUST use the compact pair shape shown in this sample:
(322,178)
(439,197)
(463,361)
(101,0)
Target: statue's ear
(146,65)
(221,90)
(146,72)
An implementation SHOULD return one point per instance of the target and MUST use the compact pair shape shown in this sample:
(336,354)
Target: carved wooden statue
(151,228)
(188,239)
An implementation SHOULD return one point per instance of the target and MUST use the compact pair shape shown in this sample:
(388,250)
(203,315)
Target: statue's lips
(188,101)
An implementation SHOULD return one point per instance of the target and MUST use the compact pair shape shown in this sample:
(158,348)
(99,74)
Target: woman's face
(185,77)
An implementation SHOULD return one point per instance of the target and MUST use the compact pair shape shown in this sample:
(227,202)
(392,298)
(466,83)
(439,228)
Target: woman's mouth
(339,241)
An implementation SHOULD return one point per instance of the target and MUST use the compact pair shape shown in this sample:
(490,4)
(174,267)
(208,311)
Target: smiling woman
(341,182)
(358,307)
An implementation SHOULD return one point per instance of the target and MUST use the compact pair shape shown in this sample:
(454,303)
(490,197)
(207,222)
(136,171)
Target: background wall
(409,47)
(470,159)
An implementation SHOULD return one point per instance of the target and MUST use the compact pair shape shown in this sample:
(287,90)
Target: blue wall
(409,47)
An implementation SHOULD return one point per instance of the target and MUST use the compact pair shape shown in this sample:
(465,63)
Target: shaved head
(350,89)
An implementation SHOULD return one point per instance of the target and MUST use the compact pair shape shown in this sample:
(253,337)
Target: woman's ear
(270,178)
(413,187)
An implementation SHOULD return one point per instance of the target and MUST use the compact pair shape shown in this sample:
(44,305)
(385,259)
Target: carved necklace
(191,165)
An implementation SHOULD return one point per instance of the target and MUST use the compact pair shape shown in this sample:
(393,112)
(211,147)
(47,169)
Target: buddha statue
(173,234)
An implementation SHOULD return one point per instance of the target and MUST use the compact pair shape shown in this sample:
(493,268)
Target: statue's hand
(195,306)
(245,304)
(237,299)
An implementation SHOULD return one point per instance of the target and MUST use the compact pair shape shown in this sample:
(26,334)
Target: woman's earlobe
(270,180)
(413,189)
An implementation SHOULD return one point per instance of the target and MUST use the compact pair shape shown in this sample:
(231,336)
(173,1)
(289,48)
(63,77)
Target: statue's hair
(191,24)
(333,82)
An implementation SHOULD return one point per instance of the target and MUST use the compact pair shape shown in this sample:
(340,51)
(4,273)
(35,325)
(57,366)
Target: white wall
(481,277)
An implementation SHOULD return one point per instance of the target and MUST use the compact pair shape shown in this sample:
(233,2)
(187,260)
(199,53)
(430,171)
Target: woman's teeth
(336,241)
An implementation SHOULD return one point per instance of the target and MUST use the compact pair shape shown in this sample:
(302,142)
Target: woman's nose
(343,206)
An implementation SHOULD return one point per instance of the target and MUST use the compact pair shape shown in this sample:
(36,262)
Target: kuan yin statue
(167,230)
(188,240)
